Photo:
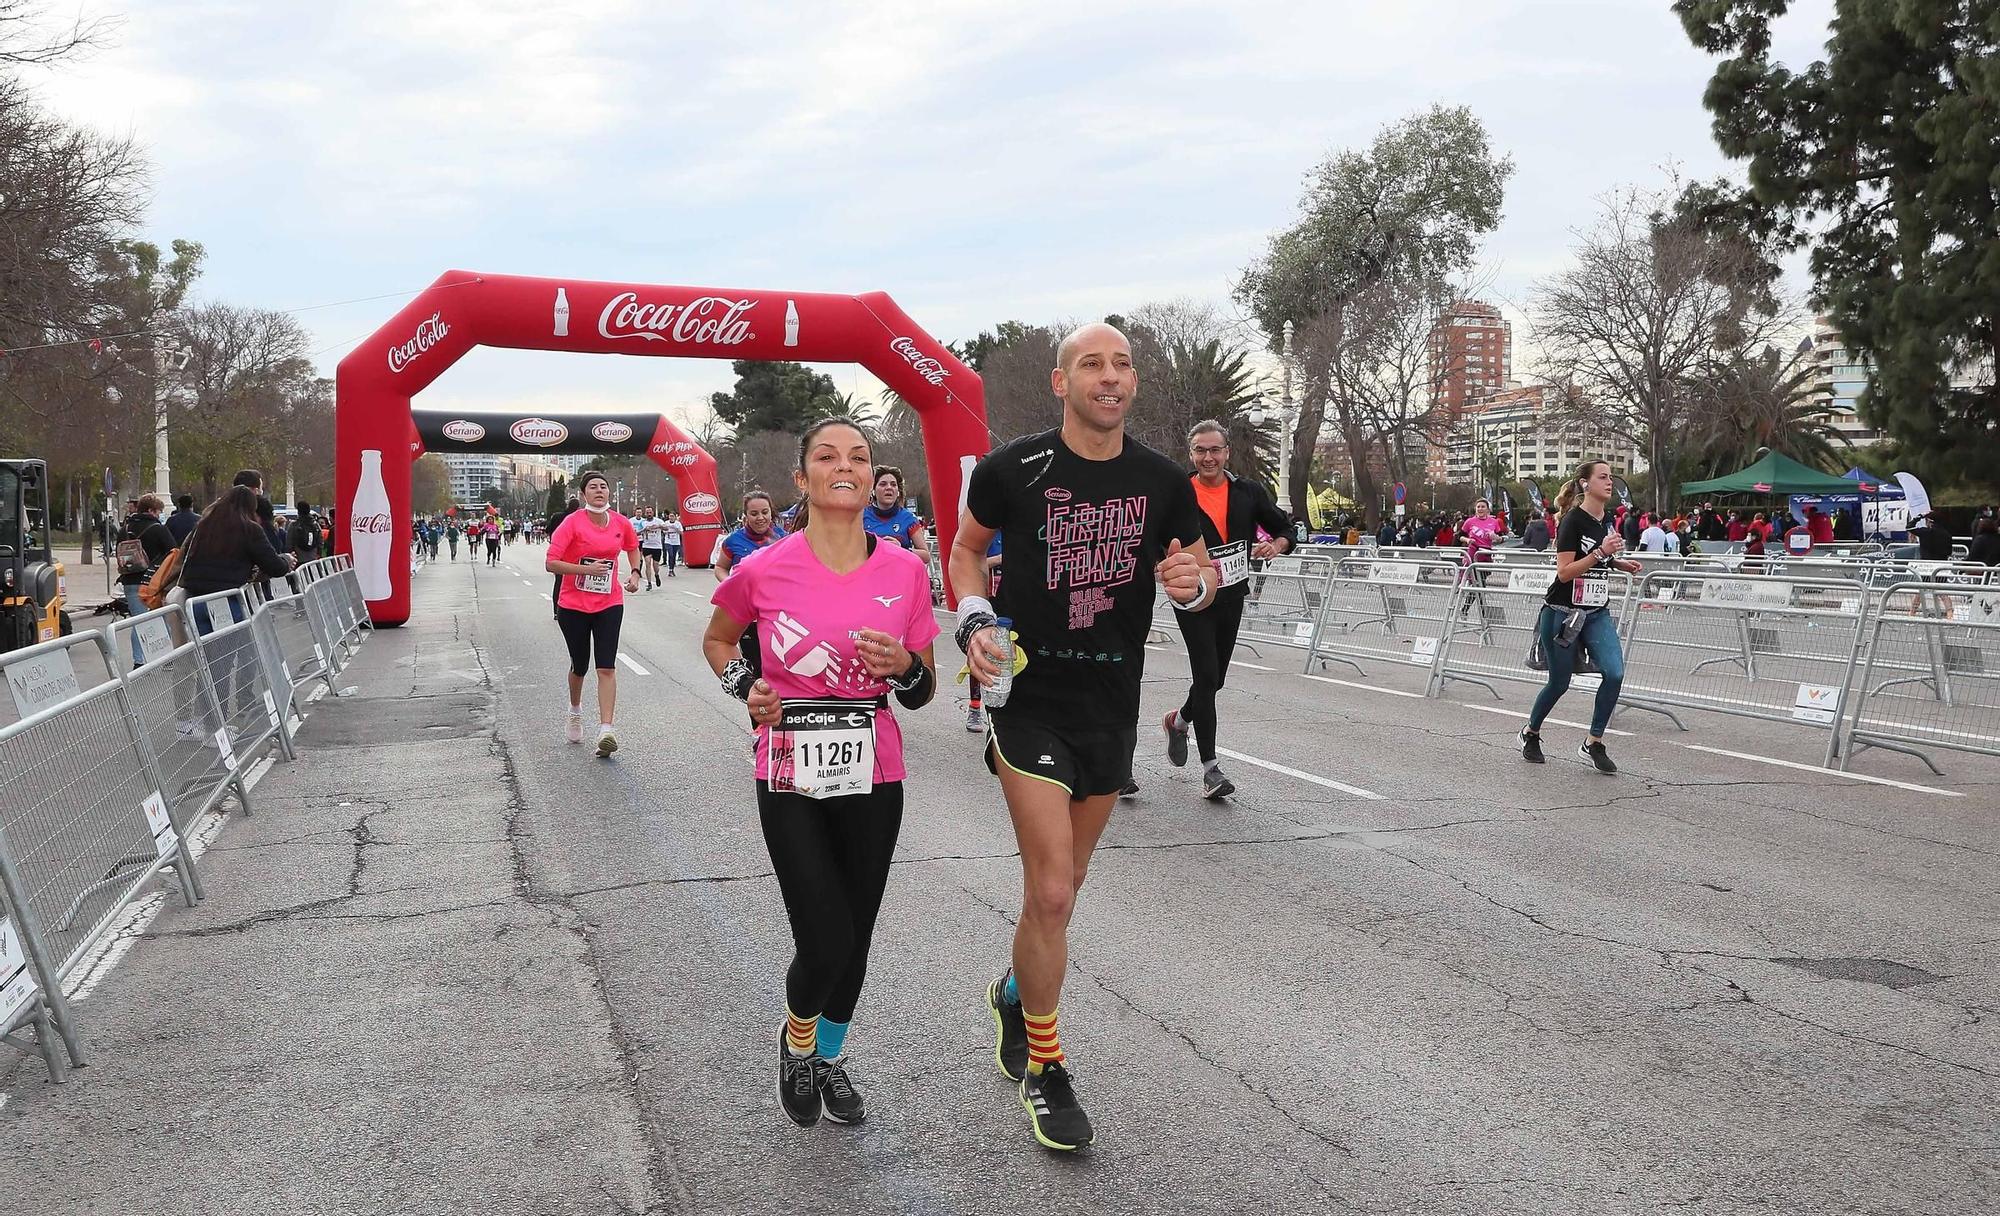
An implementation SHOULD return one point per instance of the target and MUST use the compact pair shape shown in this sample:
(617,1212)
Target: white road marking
(1251,666)
(627,660)
(1831,772)
(1515,713)
(1394,692)
(1355,790)
(546,599)
(696,594)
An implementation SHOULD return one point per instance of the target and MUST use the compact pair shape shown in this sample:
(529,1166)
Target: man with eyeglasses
(1232,510)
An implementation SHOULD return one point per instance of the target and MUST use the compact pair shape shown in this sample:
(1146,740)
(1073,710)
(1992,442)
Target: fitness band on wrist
(738,679)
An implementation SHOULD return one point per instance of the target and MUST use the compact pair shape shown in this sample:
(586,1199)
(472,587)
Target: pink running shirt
(578,537)
(806,616)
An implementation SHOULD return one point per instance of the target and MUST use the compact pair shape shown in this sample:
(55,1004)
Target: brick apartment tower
(1471,356)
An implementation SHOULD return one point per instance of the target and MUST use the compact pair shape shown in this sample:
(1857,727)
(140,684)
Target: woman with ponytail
(1576,616)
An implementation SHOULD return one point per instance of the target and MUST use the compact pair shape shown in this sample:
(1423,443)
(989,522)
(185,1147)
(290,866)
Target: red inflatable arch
(376,381)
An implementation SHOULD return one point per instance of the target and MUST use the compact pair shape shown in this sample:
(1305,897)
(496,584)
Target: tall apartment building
(1471,355)
(1840,375)
(1518,424)
(473,473)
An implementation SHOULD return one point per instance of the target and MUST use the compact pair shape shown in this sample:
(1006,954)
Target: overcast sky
(979,162)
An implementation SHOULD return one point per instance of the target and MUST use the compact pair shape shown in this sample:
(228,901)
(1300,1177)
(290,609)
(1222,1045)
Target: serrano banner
(377,380)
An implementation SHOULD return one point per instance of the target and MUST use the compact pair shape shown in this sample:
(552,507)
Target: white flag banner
(1915,499)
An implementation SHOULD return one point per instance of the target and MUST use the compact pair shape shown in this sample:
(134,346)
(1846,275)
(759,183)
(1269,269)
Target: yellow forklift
(31,580)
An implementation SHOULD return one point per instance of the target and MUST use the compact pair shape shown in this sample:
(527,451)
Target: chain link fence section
(175,699)
(1775,649)
(250,690)
(87,822)
(1494,614)
(1390,610)
(1931,677)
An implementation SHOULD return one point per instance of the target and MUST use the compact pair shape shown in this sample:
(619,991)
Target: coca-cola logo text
(464,431)
(701,504)
(929,368)
(710,319)
(539,432)
(429,331)
(371,525)
(611,432)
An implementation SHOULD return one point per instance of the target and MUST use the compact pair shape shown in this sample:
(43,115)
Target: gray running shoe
(1176,741)
(1215,785)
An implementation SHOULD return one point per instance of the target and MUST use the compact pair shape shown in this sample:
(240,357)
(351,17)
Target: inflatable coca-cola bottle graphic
(370,531)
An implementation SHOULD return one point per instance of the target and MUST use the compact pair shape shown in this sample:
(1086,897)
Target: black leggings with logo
(831,857)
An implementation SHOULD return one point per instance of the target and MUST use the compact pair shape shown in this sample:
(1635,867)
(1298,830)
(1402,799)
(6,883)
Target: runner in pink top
(842,619)
(806,616)
(590,605)
(1482,531)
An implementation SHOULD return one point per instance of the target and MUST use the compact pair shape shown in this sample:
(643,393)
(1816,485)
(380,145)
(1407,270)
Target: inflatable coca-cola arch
(377,380)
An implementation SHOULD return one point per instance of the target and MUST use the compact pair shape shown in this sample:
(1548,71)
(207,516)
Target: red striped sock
(1043,1047)
(801,1034)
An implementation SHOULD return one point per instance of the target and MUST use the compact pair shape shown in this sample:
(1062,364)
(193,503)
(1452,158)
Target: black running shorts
(1087,763)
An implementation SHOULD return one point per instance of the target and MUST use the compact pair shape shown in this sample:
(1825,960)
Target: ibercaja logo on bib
(539,432)
(611,432)
(701,504)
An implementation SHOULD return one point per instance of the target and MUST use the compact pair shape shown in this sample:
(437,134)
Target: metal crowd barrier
(1932,674)
(87,822)
(1387,609)
(1493,621)
(1780,650)
(111,759)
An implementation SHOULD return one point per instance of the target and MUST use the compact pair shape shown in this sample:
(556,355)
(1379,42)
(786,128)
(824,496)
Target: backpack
(131,551)
(165,579)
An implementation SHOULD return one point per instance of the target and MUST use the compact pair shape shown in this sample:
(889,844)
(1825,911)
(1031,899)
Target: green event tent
(1772,473)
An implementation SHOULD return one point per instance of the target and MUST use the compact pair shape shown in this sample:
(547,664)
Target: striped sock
(800,1033)
(1043,1047)
(832,1037)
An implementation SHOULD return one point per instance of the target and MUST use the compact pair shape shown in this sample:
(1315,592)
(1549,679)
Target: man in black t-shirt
(1090,521)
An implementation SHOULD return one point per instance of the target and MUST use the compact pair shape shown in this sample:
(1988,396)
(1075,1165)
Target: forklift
(32,587)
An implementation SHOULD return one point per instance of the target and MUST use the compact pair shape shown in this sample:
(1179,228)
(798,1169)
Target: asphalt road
(1401,971)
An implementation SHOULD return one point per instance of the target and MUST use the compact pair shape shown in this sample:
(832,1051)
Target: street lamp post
(1288,419)
(162,475)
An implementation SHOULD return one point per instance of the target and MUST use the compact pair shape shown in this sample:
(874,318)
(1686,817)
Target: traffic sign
(1401,493)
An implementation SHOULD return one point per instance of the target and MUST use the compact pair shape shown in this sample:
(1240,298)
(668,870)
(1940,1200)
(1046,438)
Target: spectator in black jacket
(181,523)
(1986,543)
(228,549)
(304,540)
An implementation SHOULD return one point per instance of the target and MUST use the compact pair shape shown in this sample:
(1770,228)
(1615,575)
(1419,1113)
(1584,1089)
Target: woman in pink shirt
(843,619)
(1482,531)
(584,549)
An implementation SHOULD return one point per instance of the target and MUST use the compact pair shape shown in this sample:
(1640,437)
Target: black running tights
(831,857)
(1211,639)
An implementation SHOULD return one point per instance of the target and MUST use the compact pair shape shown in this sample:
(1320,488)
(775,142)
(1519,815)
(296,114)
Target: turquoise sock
(1010,992)
(832,1037)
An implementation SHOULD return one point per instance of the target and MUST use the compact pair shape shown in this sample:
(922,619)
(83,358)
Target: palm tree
(1208,381)
(1765,401)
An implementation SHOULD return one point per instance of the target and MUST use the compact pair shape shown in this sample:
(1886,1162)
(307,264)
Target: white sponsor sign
(1535,579)
(41,682)
(17,985)
(539,432)
(1816,703)
(1392,572)
(1423,650)
(1985,607)
(1745,593)
(228,752)
(155,639)
(611,432)
(464,430)
(271,706)
(160,823)
(711,319)
(701,504)
(430,331)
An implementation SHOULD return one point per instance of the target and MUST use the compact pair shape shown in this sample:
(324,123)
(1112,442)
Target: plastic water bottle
(996,694)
